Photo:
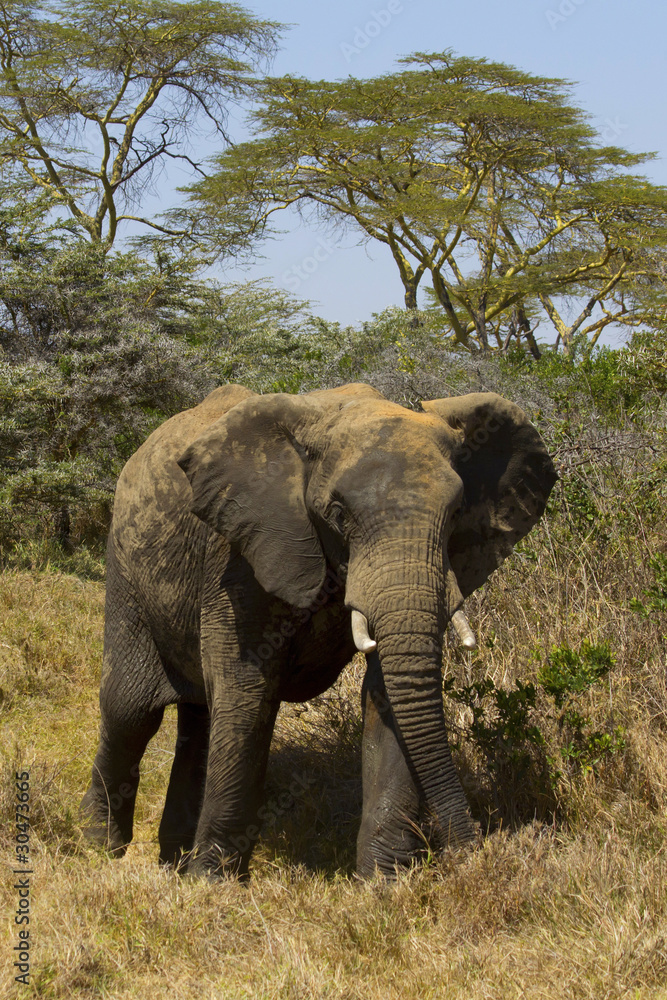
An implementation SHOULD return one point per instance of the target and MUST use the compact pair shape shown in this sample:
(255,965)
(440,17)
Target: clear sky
(613,51)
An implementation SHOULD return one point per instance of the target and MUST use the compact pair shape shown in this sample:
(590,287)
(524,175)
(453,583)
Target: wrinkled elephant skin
(245,532)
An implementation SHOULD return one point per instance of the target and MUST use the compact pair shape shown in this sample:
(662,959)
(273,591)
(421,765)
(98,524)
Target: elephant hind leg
(186,784)
(107,808)
(133,696)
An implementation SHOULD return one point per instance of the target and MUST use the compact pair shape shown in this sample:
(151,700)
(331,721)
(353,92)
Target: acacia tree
(96,96)
(482,177)
(627,236)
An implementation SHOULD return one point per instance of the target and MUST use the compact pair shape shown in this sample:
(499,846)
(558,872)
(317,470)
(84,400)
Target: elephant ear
(507,477)
(248,476)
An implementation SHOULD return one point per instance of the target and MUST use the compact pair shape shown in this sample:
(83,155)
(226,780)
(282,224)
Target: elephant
(257,542)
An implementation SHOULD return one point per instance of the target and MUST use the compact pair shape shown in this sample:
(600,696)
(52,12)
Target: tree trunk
(410,299)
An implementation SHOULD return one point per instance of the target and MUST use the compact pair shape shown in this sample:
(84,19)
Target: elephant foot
(100,828)
(215,864)
(378,857)
(384,854)
(174,854)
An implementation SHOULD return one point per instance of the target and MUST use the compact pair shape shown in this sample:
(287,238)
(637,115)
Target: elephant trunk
(409,644)
(412,673)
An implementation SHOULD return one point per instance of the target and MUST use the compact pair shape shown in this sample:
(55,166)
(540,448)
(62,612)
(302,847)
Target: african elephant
(256,542)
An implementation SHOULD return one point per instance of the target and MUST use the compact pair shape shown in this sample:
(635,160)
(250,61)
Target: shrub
(531,737)
(656,594)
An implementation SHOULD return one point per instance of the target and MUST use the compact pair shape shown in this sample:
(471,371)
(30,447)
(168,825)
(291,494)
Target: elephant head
(413,510)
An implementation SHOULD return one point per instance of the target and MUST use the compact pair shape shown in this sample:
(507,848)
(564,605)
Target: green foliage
(91,364)
(600,427)
(512,731)
(656,595)
(501,727)
(618,381)
(568,672)
(41,499)
(595,382)
(271,343)
(47,554)
(579,505)
(566,675)
(642,367)
(586,748)
(505,738)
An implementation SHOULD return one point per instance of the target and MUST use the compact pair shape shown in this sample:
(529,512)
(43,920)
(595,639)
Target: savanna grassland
(559,724)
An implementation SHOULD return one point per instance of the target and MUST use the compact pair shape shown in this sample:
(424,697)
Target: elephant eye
(336,515)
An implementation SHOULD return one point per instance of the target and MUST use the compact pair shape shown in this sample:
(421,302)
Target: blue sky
(613,51)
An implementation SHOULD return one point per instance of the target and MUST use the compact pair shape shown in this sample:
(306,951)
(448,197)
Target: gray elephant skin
(245,532)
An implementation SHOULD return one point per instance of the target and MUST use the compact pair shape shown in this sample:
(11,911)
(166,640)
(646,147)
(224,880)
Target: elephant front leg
(242,724)
(241,670)
(390,835)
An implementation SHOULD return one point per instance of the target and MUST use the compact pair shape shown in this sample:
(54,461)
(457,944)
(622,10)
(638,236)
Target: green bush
(567,672)
(535,735)
(656,595)
(566,675)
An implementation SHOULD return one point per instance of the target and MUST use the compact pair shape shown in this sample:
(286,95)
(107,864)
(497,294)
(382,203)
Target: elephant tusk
(463,630)
(362,639)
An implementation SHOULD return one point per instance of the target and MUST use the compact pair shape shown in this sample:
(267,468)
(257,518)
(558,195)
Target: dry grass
(535,914)
(575,907)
